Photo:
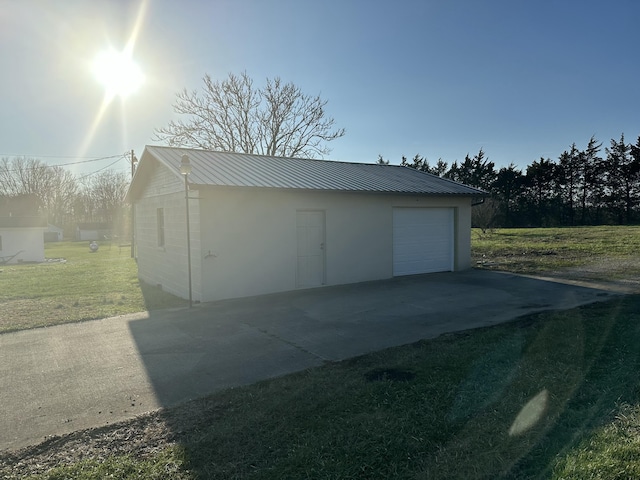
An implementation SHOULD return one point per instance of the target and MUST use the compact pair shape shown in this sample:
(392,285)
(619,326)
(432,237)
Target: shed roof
(211,168)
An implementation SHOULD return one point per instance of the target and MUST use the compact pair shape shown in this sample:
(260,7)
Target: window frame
(160,226)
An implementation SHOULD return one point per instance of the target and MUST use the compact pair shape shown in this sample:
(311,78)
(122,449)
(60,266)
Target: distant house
(22,239)
(93,231)
(53,233)
(262,224)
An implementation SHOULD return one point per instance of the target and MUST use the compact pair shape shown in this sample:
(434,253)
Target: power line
(122,157)
(84,161)
(50,156)
(44,165)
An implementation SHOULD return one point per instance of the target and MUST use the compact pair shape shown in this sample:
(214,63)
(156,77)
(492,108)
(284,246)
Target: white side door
(311,248)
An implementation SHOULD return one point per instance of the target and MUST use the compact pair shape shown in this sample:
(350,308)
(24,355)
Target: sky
(439,78)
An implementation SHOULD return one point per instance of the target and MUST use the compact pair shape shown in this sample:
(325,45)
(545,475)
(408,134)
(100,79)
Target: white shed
(92,231)
(53,233)
(263,224)
(22,239)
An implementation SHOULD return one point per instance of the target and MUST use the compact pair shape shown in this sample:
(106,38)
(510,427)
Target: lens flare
(118,73)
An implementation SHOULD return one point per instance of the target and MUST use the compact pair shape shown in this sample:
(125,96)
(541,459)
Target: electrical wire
(48,156)
(121,156)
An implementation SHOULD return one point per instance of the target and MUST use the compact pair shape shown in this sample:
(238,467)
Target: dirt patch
(140,438)
(619,272)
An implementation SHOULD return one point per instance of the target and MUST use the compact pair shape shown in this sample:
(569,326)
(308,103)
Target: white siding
(86,235)
(167,265)
(29,240)
(249,240)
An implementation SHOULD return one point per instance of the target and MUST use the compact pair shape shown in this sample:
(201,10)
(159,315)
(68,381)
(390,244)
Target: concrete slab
(65,378)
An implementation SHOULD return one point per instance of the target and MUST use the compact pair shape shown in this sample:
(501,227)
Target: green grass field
(606,254)
(552,395)
(85,286)
(551,248)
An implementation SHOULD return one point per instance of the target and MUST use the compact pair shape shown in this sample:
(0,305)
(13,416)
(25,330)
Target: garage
(261,225)
(423,240)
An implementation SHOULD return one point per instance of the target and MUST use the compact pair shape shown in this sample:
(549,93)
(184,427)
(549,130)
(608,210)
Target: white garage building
(263,224)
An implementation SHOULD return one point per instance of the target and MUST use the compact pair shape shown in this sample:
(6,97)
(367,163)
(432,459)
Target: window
(160,215)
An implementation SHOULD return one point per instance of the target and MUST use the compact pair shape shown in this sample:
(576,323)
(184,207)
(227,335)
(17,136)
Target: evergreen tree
(477,172)
(568,179)
(508,188)
(590,189)
(540,191)
(422,164)
(622,177)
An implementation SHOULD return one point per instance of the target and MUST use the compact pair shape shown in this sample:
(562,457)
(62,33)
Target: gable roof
(210,168)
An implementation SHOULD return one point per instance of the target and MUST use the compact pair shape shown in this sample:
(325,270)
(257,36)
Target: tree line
(29,186)
(583,186)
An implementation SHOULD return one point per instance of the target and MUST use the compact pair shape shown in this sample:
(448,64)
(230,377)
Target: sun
(118,73)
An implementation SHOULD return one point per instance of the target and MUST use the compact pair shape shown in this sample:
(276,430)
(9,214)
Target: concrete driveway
(69,377)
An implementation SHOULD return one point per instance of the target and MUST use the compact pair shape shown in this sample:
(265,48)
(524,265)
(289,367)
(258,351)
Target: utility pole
(134,160)
(133,164)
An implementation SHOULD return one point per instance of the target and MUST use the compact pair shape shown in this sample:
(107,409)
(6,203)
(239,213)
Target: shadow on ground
(190,352)
(531,392)
(513,407)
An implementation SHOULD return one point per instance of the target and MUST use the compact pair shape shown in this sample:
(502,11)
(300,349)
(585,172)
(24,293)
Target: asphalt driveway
(69,377)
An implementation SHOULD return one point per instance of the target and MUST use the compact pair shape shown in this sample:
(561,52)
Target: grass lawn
(551,395)
(86,286)
(608,253)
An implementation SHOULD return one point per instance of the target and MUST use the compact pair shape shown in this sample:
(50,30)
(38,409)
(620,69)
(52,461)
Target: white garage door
(422,240)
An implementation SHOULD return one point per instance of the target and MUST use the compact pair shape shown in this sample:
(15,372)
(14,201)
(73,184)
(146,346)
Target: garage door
(422,240)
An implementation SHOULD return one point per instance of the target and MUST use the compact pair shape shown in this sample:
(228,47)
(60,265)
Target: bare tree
(25,176)
(59,202)
(54,187)
(235,116)
(105,192)
(483,216)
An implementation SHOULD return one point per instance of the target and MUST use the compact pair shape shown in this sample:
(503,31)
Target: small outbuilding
(260,224)
(53,233)
(22,239)
(93,231)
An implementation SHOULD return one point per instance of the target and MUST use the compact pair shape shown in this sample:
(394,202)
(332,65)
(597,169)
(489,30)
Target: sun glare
(118,73)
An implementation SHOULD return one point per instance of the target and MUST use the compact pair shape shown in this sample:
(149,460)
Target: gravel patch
(141,438)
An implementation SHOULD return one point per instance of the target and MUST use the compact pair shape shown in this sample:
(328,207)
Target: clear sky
(442,78)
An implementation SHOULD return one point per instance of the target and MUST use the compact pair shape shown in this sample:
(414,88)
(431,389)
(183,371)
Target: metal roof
(249,170)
